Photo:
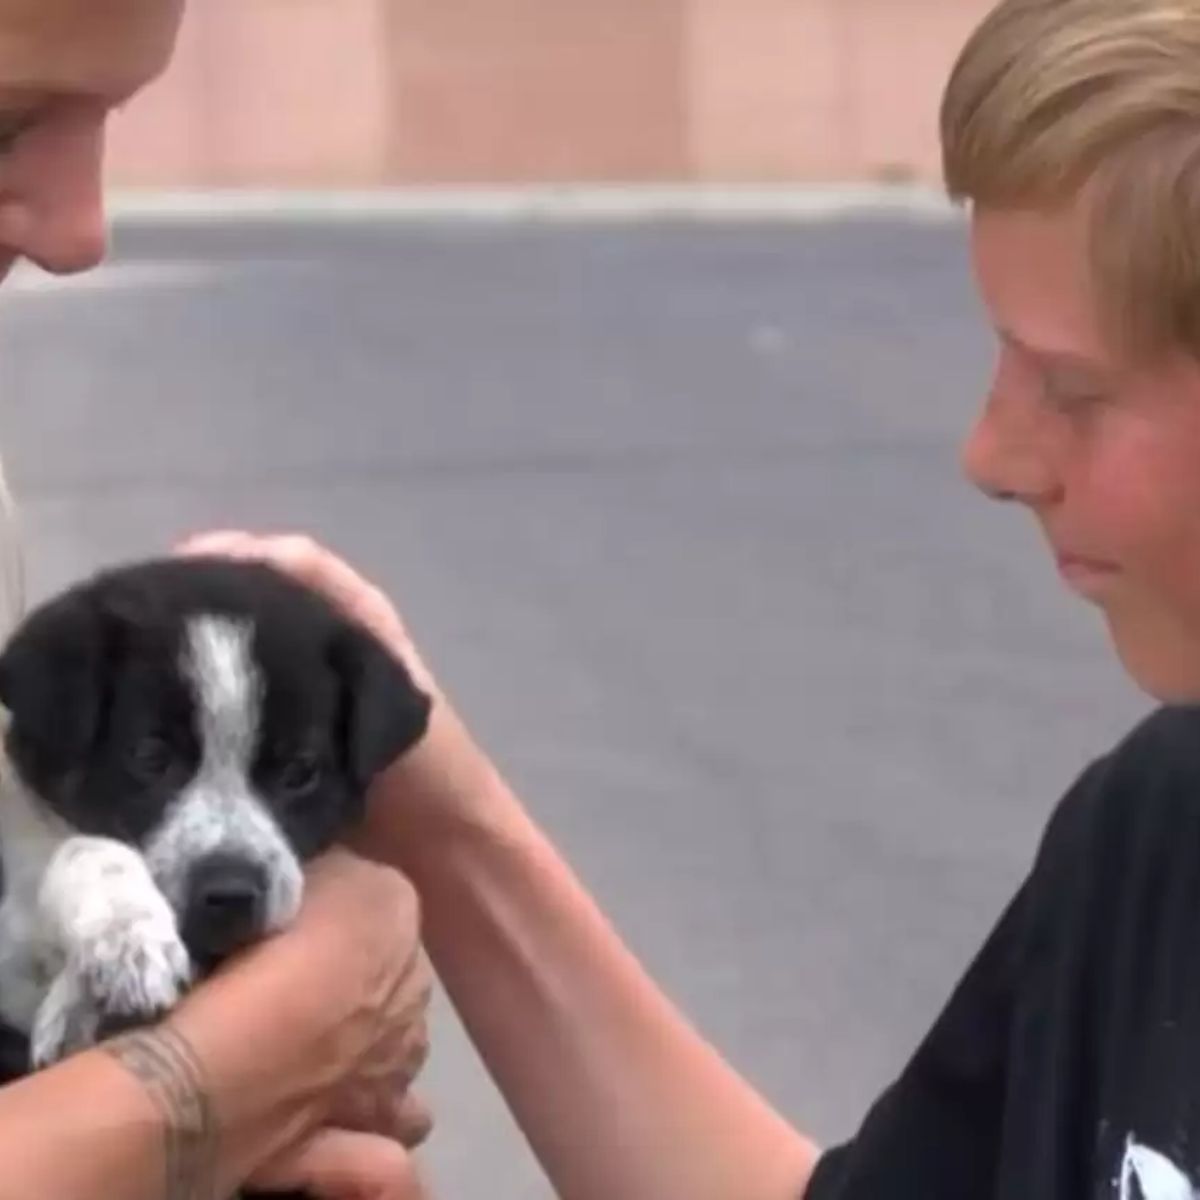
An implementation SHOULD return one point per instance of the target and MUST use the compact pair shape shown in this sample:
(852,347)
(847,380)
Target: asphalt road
(676,512)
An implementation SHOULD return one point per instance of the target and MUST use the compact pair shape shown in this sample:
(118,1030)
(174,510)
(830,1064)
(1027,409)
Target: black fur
(85,684)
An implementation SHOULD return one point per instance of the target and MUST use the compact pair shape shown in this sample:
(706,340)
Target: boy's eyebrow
(1050,355)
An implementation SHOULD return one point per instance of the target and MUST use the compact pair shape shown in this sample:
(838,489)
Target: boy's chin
(1166,668)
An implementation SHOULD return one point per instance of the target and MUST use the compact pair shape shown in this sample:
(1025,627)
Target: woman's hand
(335,1164)
(321,1027)
(349,900)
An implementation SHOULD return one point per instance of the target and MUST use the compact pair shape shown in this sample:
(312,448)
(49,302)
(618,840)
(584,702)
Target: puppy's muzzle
(225,905)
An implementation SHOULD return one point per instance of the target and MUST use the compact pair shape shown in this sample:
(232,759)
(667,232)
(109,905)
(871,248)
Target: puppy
(183,735)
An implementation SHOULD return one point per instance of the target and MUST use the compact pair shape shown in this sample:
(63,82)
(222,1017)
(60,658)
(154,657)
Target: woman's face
(1104,453)
(64,65)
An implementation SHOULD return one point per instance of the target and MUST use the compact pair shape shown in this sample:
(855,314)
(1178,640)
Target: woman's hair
(1054,103)
(12,562)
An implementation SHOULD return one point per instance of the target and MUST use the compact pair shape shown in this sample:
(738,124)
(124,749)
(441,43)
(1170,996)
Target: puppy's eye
(150,758)
(299,776)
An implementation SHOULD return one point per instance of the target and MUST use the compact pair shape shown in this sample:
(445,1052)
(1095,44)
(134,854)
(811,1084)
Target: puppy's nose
(225,906)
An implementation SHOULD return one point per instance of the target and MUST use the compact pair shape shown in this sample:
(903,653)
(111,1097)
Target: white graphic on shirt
(1157,1178)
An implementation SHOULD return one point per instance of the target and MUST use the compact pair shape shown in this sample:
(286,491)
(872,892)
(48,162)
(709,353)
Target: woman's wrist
(175,1083)
(255,1077)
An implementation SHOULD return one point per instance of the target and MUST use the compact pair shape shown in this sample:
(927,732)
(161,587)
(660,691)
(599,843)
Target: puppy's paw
(125,962)
(131,973)
(136,967)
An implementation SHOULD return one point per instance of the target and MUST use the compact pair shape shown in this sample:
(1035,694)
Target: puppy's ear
(51,681)
(384,712)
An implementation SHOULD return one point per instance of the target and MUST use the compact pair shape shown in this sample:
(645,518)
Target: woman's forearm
(176,1111)
(616,1093)
(133,1122)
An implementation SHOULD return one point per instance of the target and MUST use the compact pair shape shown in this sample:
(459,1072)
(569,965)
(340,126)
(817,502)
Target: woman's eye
(13,127)
(151,758)
(299,776)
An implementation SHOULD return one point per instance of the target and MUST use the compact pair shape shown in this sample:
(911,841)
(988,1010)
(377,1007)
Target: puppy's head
(219,716)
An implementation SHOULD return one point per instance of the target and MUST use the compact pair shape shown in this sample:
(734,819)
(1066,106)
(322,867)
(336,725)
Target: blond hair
(1057,102)
(12,562)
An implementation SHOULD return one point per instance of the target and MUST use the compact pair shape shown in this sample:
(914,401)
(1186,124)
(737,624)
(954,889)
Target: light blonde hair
(1097,102)
(12,562)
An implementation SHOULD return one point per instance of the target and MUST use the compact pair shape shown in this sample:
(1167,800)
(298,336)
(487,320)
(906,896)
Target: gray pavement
(676,513)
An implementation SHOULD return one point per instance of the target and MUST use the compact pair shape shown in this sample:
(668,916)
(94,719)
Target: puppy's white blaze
(226,688)
(218,810)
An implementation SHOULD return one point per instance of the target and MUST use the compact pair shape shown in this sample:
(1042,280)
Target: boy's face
(1103,452)
(64,65)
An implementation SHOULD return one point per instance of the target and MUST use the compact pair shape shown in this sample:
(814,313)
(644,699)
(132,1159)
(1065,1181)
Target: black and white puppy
(183,734)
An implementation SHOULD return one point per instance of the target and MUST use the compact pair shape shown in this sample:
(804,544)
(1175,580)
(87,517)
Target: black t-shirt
(1066,1065)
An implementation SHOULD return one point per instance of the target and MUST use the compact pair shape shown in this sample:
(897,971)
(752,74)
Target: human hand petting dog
(446,768)
(306,560)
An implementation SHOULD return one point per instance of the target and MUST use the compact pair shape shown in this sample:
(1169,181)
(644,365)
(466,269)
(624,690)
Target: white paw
(132,972)
(137,965)
(124,961)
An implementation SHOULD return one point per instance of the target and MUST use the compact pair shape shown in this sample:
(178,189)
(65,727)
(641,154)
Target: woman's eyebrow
(18,105)
(19,96)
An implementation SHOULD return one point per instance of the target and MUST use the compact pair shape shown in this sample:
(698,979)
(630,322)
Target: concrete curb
(565,205)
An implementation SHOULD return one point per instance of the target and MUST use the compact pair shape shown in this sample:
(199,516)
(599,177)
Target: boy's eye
(1070,394)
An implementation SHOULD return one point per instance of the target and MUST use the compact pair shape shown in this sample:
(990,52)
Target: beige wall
(360,92)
